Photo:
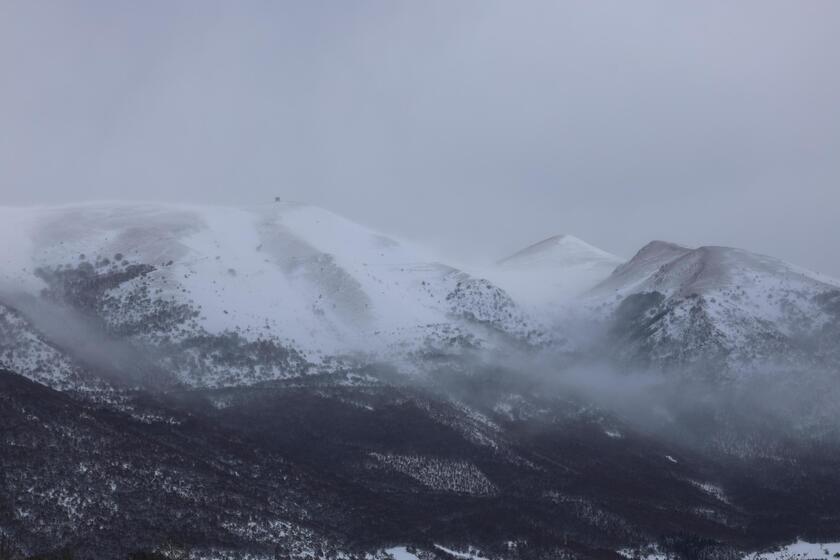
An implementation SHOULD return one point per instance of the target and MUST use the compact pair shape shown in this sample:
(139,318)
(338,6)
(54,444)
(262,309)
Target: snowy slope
(646,262)
(727,306)
(24,350)
(552,271)
(296,283)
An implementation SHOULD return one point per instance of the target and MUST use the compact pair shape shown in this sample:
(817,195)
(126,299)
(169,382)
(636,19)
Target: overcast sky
(475,127)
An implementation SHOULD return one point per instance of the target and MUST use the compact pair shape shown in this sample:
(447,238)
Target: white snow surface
(800,550)
(552,271)
(749,301)
(676,270)
(325,284)
(401,553)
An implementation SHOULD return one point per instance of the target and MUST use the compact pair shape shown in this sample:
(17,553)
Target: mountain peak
(674,269)
(644,263)
(552,271)
(658,248)
(559,250)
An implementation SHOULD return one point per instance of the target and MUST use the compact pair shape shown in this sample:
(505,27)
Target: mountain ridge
(302,284)
(567,245)
(286,382)
(750,309)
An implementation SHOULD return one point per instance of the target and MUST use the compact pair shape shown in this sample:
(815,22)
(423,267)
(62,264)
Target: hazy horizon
(475,128)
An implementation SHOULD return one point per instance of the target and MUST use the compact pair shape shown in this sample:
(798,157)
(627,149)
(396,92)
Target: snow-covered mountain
(552,271)
(215,296)
(217,374)
(721,308)
(209,289)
